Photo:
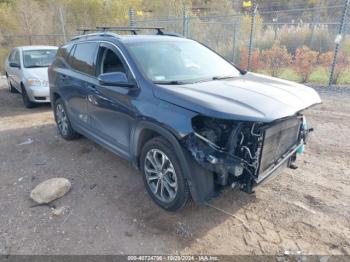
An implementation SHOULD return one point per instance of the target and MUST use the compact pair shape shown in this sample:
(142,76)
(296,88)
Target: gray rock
(50,190)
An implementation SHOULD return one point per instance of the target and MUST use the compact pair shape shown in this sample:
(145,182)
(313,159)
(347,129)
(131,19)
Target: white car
(26,73)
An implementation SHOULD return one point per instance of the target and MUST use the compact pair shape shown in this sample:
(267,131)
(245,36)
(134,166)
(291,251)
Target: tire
(170,180)
(11,88)
(26,101)
(62,121)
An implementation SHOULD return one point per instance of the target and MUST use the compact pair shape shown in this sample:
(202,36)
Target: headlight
(34,82)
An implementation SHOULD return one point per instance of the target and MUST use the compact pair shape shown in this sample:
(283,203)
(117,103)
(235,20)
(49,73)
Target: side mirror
(115,79)
(13,64)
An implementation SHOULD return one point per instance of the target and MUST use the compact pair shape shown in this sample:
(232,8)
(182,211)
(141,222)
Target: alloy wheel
(62,120)
(160,175)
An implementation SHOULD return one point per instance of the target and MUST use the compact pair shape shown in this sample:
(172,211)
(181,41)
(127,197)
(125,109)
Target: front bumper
(39,94)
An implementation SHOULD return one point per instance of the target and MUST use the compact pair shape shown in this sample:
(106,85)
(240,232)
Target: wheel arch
(200,181)
(22,86)
(54,97)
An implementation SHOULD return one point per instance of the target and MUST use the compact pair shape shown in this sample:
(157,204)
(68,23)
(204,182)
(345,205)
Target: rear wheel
(11,88)
(26,101)
(162,175)
(63,124)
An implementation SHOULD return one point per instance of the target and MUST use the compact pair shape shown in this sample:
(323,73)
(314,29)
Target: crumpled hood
(250,97)
(37,73)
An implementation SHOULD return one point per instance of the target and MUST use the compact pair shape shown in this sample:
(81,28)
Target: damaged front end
(245,153)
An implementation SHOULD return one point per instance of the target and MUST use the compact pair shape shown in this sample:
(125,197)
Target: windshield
(38,58)
(178,62)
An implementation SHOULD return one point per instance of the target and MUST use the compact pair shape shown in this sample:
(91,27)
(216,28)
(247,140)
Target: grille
(278,139)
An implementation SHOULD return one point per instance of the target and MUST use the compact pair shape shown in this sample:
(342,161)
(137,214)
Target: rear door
(16,71)
(9,69)
(77,81)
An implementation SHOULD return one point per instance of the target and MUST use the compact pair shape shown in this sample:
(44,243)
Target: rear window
(83,58)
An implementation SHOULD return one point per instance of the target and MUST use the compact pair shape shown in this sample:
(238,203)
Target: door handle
(91,86)
(92,99)
(63,77)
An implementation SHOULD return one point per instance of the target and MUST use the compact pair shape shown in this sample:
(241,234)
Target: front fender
(200,181)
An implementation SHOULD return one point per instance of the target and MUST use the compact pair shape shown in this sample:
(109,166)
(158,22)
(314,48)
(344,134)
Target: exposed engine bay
(245,153)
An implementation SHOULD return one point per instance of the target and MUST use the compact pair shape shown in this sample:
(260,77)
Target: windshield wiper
(221,77)
(173,82)
(34,66)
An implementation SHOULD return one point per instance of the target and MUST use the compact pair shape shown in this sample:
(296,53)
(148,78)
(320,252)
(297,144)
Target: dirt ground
(108,211)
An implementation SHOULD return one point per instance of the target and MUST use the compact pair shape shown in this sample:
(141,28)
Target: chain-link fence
(295,44)
(298,44)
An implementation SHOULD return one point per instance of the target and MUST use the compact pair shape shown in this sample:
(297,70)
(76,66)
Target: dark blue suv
(191,121)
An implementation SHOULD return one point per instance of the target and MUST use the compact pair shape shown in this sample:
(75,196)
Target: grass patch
(290,74)
(319,75)
(344,78)
(263,72)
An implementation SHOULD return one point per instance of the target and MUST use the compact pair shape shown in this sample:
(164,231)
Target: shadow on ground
(12,105)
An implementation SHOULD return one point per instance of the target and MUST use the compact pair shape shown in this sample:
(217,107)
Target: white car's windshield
(176,62)
(38,58)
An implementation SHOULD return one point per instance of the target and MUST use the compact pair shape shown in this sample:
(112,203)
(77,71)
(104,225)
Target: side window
(62,56)
(63,51)
(109,62)
(11,56)
(16,58)
(83,59)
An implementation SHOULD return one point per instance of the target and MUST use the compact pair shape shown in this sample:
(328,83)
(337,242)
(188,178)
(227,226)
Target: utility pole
(62,25)
(337,42)
(252,29)
(234,40)
(275,26)
(132,21)
(184,22)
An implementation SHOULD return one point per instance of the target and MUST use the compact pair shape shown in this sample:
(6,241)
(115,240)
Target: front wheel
(63,124)
(26,101)
(163,176)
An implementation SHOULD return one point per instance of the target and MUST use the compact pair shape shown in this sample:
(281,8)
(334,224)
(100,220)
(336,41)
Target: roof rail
(172,34)
(103,30)
(86,30)
(133,29)
(97,33)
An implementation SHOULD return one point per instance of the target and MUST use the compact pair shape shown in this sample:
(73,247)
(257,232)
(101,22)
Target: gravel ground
(108,211)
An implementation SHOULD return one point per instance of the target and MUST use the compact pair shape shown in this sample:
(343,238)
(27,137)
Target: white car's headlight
(33,82)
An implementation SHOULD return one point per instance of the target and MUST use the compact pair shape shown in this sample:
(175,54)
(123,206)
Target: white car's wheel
(10,86)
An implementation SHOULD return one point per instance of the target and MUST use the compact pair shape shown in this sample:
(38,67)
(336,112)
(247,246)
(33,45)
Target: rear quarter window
(62,56)
(11,56)
(63,51)
(83,58)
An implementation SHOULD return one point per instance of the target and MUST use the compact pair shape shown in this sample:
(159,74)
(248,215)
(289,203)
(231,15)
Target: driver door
(110,107)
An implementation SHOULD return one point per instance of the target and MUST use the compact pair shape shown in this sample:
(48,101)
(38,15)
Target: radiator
(278,140)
